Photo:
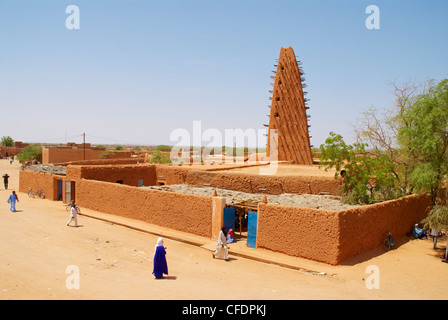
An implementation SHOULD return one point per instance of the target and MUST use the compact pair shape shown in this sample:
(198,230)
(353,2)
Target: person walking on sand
(73,214)
(160,265)
(222,250)
(5,180)
(12,200)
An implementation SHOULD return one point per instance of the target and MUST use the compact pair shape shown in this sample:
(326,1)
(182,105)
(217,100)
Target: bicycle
(388,243)
(30,193)
(41,193)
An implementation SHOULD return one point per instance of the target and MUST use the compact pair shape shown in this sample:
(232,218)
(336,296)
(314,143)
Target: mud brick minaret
(288,118)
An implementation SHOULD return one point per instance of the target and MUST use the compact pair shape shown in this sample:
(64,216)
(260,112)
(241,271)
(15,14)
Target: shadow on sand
(365,256)
(436,253)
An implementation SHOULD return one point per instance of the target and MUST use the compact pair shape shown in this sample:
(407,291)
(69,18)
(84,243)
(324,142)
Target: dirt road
(42,258)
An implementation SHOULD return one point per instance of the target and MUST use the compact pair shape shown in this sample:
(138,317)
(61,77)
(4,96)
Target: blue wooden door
(251,229)
(229,219)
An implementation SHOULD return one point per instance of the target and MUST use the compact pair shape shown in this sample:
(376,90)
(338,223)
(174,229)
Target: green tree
(30,153)
(438,219)
(118,148)
(367,175)
(163,148)
(380,130)
(7,141)
(107,154)
(158,157)
(410,150)
(426,139)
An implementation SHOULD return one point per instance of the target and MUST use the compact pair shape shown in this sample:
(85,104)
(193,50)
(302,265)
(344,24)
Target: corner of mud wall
(219,203)
(301,232)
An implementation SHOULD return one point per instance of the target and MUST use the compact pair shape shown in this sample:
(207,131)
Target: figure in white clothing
(222,250)
(73,214)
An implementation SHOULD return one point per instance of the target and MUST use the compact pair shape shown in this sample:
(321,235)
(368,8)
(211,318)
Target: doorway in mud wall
(245,217)
(240,216)
(69,191)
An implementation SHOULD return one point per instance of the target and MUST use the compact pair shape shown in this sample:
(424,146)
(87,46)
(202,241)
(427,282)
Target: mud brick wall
(365,228)
(127,174)
(333,236)
(300,232)
(37,181)
(263,184)
(188,213)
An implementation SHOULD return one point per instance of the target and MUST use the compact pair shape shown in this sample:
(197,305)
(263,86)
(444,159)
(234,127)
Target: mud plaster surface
(326,202)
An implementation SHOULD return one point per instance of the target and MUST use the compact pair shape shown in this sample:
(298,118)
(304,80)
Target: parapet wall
(263,183)
(61,155)
(124,174)
(364,228)
(96,162)
(333,236)
(188,213)
(152,174)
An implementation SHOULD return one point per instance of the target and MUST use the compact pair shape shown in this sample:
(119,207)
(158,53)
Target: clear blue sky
(137,70)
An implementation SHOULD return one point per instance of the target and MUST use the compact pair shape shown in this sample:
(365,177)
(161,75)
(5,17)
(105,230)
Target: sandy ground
(40,256)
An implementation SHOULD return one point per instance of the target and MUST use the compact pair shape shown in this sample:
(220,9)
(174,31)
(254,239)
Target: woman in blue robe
(12,200)
(160,265)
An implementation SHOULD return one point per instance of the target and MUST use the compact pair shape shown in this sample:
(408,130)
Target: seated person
(230,237)
(418,232)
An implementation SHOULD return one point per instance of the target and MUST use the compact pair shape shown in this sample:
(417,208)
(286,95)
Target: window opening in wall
(120,181)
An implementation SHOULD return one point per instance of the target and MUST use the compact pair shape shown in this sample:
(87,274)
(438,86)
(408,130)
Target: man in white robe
(73,215)
(222,250)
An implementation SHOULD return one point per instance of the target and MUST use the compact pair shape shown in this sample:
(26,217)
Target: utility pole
(84,144)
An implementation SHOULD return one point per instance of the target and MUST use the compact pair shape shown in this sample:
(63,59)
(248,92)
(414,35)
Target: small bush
(158,157)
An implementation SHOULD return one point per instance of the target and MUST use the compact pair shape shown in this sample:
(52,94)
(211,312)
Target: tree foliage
(367,175)
(426,139)
(158,157)
(163,148)
(7,141)
(437,218)
(408,148)
(30,153)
